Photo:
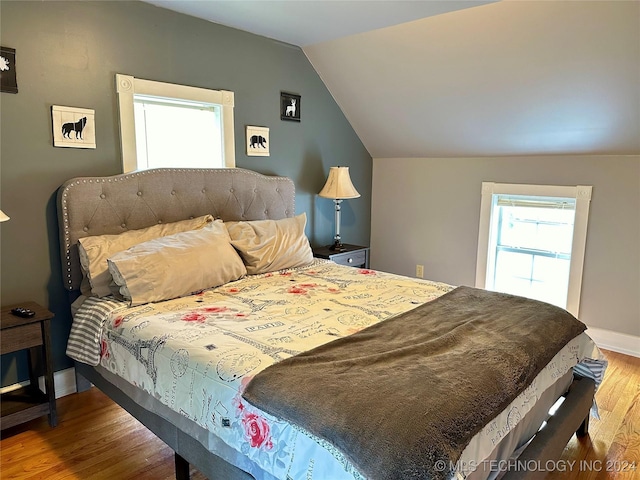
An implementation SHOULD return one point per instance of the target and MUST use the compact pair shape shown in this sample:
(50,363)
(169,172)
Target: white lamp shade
(339,185)
(3,216)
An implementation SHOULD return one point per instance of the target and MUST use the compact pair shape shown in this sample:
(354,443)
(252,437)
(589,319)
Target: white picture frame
(257,141)
(73,127)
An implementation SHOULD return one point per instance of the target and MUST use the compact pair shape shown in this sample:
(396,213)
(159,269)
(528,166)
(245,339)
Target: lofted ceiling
(447,78)
(307,22)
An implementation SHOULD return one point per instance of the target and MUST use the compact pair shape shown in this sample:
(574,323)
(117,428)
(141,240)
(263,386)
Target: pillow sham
(176,265)
(270,245)
(94,251)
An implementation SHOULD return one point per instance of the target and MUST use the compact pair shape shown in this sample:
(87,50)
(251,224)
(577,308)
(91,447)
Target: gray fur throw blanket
(413,390)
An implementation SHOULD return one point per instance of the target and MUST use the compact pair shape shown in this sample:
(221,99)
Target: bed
(204,370)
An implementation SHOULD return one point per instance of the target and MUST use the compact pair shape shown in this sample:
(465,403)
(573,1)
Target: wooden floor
(97,440)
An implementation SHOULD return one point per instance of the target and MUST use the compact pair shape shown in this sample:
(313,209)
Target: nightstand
(352,255)
(17,333)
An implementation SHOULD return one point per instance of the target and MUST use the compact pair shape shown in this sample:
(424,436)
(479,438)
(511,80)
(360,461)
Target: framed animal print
(8,81)
(289,106)
(257,141)
(73,127)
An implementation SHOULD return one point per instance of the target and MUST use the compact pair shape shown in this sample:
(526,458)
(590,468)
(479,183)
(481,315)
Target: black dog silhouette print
(75,127)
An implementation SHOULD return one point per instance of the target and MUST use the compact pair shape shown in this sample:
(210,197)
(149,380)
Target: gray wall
(427,211)
(68,54)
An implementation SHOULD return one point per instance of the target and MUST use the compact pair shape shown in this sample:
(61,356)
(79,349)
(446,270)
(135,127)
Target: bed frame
(90,206)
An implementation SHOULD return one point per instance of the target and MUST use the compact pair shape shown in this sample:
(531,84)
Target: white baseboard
(64,382)
(614,341)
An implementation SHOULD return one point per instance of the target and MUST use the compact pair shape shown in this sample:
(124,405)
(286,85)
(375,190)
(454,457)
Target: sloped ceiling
(506,78)
(307,22)
(509,78)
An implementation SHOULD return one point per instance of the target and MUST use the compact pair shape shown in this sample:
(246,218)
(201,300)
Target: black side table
(33,333)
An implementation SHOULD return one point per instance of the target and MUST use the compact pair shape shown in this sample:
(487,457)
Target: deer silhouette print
(291,109)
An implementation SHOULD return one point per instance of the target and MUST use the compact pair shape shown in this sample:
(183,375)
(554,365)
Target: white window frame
(581,193)
(128,86)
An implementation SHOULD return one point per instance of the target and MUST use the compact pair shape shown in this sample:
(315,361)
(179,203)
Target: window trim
(127,86)
(582,195)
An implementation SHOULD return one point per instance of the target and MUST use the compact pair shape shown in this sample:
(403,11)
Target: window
(531,241)
(168,125)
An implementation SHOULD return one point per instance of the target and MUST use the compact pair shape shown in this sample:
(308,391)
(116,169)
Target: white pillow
(176,265)
(94,251)
(270,245)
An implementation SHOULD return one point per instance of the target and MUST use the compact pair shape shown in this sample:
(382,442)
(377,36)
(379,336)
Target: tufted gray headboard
(90,206)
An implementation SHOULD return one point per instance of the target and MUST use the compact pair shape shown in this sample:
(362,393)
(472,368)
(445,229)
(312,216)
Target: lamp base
(337,247)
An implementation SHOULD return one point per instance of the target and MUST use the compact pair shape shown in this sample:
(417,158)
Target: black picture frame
(290,107)
(8,78)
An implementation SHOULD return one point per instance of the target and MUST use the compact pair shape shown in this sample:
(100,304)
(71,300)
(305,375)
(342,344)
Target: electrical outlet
(420,271)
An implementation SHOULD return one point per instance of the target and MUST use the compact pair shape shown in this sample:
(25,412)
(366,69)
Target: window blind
(537,202)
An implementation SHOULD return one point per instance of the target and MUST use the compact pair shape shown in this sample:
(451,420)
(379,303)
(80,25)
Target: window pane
(536,228)
(533,276)
(552,280)
(513,273)
(178,135)
(513,265)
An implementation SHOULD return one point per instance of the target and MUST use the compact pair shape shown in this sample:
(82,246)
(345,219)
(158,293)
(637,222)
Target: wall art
(8,79)
(73,127)
(289,106)
(257,141)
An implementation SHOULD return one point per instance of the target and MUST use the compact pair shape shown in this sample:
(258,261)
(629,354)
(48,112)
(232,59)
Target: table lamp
(3,216)
(338,188)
